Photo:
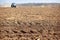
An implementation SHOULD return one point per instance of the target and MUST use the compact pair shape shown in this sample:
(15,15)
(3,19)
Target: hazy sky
(29,1)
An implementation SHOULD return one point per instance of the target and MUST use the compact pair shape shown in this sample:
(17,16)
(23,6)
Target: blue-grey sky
(29,1)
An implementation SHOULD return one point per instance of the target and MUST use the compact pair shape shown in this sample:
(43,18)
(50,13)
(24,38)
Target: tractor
(13,5)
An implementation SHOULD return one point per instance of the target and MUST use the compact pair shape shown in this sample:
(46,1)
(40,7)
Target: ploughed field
(30,23)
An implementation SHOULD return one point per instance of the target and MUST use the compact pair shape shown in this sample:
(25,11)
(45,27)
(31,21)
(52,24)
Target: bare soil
(30,23)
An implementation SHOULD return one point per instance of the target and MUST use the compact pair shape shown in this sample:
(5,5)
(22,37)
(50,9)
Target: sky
(29,1)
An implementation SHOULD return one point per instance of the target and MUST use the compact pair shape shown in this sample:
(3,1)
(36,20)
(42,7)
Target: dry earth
(30,23)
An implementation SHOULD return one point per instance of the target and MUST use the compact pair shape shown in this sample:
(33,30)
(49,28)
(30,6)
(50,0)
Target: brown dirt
(30,23)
